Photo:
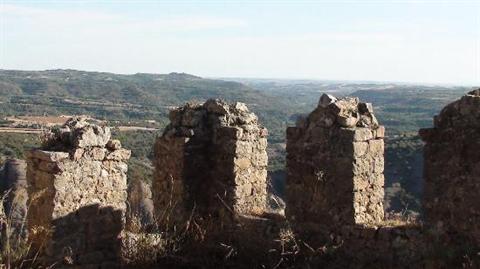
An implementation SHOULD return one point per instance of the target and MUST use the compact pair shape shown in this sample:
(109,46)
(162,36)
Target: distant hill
(129,98)
(147,89)
(409,108)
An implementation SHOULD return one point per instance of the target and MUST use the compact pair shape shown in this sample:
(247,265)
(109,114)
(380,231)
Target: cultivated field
(35,124)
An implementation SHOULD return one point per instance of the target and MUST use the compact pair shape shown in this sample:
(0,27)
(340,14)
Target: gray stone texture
(335,162)
(211,158)
(77,188)
(452,169)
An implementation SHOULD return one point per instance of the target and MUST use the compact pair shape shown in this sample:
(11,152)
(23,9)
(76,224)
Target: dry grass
(16,249)
(400,219)
(144,244)
(142,249)
(200,242)
(193,240)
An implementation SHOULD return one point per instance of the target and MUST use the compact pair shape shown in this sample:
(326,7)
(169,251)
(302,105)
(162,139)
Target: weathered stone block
(362,134)
(90,136)
(48,156)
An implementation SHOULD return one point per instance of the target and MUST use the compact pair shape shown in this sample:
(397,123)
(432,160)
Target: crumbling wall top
(346,112)
(196,119)
(78,138)
(465,110)
(463,113)
(76,133)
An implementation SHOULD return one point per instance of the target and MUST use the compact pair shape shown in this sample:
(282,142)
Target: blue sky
(409,41)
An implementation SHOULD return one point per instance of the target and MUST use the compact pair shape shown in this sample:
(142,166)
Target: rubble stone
(211,158)
(77,191)
(335,161)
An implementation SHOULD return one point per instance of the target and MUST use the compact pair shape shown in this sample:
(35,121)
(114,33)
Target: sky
(401,41)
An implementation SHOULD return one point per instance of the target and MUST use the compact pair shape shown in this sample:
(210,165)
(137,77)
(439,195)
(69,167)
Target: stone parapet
(77,186)
(452,169)
(212,159)
(335,162)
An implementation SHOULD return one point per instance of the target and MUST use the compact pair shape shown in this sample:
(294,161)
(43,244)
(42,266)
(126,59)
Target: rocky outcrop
(140,203)
(212,159)
(335,162)
(12,174)
(452,169)
(77,194)
(13,188)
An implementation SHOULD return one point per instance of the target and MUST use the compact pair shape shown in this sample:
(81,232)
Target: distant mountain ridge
(143,88)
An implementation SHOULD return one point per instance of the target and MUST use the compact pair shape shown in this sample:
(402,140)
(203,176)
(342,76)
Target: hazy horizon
(419,42)
(287,79)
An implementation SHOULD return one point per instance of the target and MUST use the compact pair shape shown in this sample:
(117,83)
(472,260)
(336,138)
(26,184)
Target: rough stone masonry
(212,159)
(452,169)
(335,162)
(77,188)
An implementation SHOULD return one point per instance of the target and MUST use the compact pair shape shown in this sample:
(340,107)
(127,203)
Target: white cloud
(17,12)
(101,21)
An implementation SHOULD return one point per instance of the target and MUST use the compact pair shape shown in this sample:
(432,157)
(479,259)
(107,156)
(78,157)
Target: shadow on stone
(88,236)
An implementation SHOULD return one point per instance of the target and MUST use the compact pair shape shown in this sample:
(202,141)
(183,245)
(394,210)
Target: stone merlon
(335,162)
(212,156)
(77,188)
(452,169)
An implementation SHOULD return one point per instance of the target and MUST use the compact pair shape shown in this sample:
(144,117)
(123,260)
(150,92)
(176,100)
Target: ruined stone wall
(77,194)
(335,162)
(452,169)
(211,158)
(360,246)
